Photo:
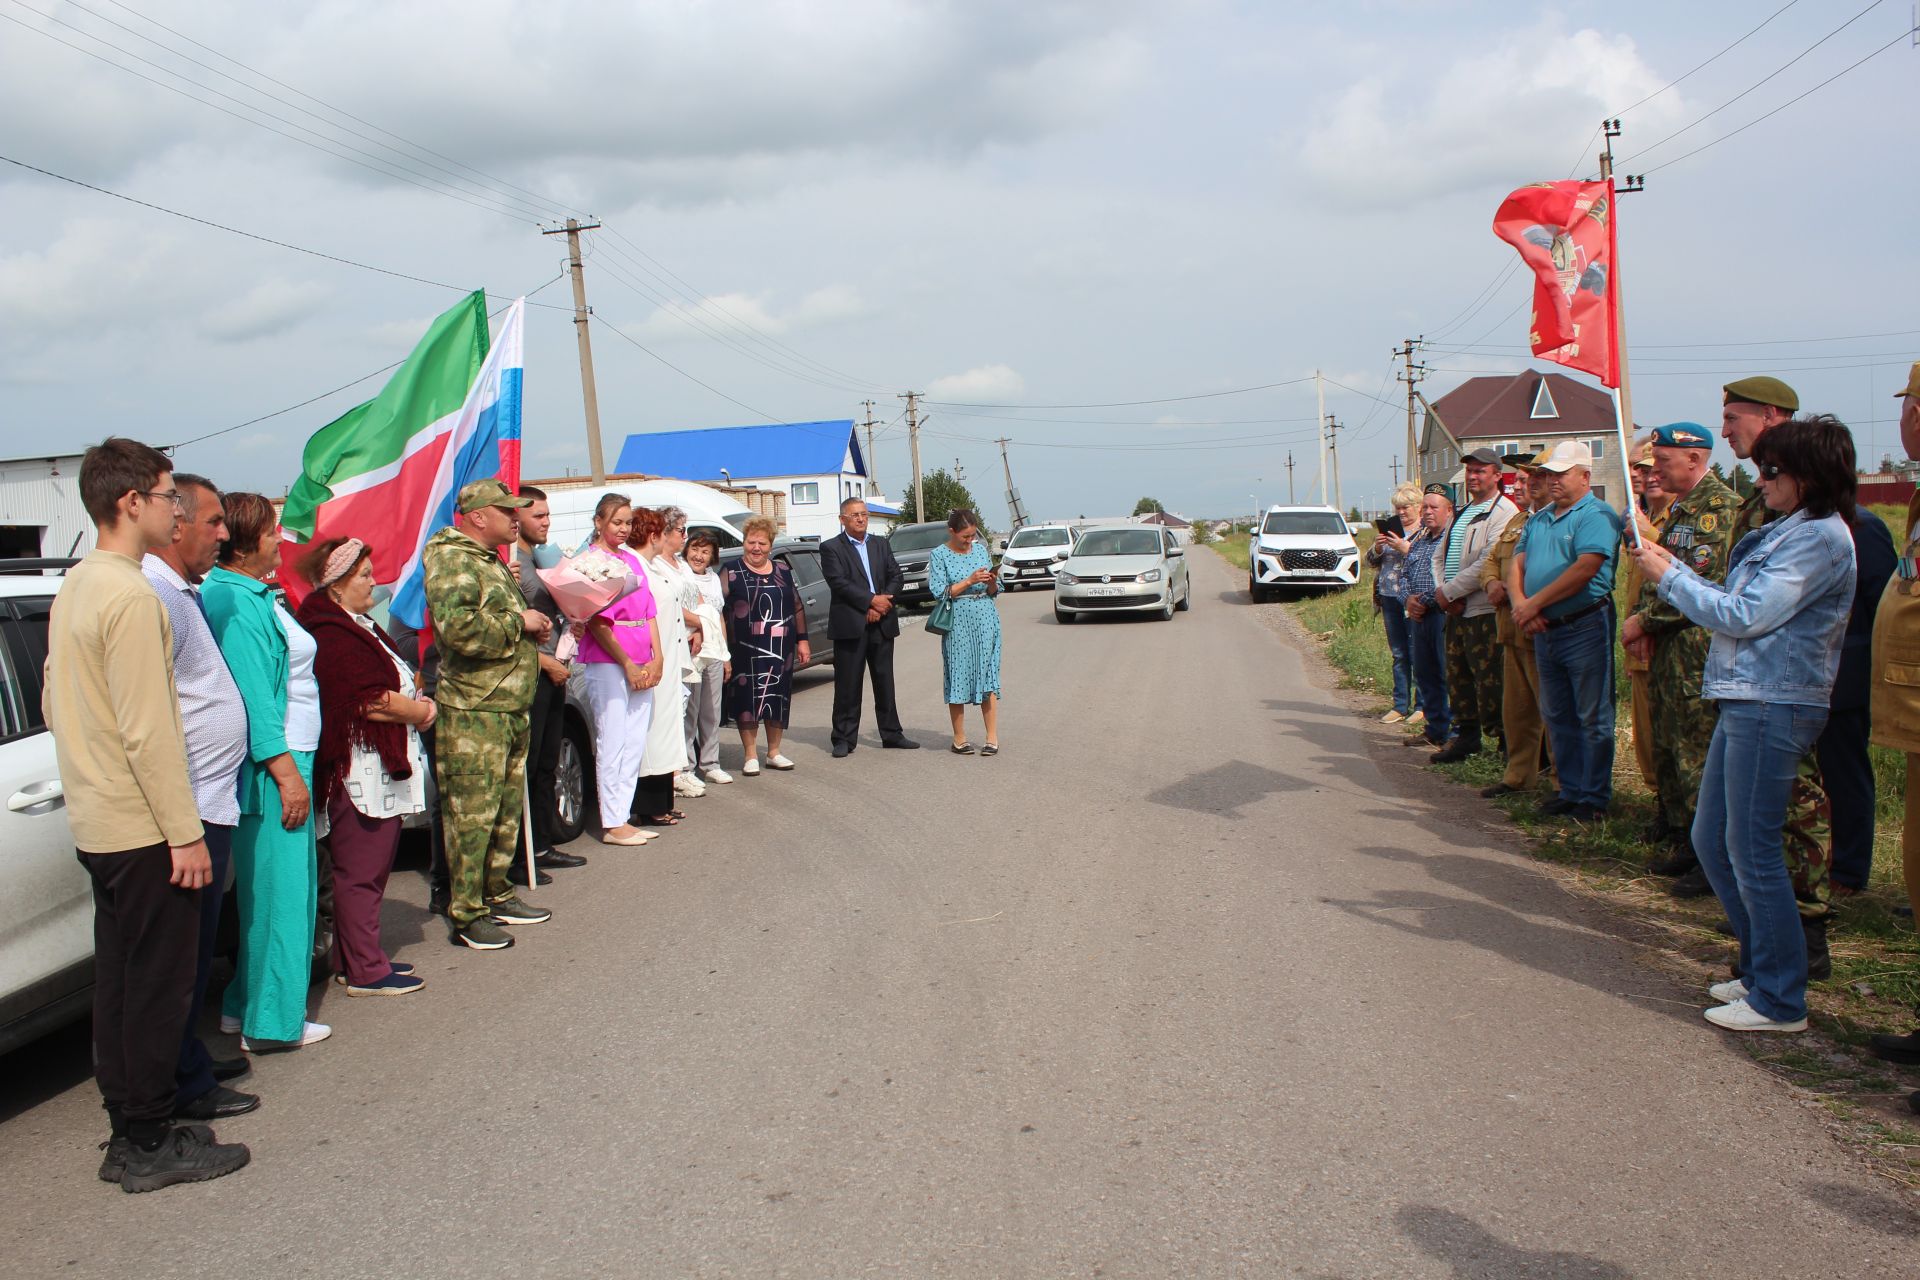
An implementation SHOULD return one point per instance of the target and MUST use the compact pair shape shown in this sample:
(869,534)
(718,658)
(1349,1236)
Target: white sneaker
(310,1033)
(685,784)
(779,762)
(1728,992)
(229,1026)
(751,768)
(1741,1016)
(719,777)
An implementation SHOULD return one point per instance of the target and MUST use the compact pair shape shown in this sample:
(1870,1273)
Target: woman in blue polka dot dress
(961,570)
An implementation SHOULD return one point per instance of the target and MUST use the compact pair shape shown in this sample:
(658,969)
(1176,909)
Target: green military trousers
(480,762)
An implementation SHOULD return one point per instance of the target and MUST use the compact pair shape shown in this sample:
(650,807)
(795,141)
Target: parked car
(1033,553)
(1301,547)
(1125,567)
(913,546)
(46,914)
(574,785)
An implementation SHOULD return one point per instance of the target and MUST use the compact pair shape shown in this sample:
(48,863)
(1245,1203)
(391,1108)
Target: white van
(573,500)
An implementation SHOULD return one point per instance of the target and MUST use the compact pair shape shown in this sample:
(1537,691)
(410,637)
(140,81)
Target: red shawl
(354,668)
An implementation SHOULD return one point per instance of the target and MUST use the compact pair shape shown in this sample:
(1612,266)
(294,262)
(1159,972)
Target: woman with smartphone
(961,570)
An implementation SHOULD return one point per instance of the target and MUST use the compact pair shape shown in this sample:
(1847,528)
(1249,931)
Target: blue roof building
(815,464)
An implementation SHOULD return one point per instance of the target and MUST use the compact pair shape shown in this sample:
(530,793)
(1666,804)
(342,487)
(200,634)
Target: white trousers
(621,719)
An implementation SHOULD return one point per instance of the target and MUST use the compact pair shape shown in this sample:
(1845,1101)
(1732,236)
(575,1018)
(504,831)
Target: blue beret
(1683,435)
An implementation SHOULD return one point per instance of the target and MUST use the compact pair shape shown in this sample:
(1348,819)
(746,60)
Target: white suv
(1032,555)
(46,913)
(1301,547)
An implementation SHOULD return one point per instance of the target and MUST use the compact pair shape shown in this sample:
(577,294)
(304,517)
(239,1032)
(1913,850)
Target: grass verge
(1876,955)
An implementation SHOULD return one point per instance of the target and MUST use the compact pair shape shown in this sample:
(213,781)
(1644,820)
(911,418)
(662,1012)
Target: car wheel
(1186,601)
(1166,610)
(1062,617)
(571,777)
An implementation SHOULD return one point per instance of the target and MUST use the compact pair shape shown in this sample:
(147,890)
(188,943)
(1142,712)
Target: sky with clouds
(1129,208)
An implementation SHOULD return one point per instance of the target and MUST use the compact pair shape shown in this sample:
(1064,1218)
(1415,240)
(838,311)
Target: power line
(1710,61)
(624,336)
(1124,404)
(250,235)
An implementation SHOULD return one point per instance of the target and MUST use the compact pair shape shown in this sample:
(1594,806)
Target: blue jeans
(1428,640)
(1393,615)
(1576,701)
(1751,764)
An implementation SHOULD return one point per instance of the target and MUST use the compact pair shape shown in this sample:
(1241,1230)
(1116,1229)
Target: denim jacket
(1779,620)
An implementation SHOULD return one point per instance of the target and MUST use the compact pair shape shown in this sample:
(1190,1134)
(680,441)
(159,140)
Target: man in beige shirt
(110,701)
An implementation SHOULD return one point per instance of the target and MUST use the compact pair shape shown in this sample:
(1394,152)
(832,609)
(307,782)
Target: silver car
(1122,568)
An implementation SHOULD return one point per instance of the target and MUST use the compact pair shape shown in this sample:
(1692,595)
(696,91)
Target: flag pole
(1622,394)
(526,827)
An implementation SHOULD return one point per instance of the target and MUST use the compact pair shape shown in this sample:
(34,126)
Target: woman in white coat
(654,540)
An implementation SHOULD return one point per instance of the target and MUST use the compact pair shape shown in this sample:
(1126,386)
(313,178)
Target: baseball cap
(1485,456)
(1682,435)
(1567,455)
(489,493)
(1536,461)
(1763,390)
(1913,382)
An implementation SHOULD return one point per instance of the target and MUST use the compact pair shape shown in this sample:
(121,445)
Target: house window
(1599,447)
(1543,405)
(1600,492)
(807,494)
(1538,446)
(1507,448)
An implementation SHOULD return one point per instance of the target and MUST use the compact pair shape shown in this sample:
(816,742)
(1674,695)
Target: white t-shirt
(303,691)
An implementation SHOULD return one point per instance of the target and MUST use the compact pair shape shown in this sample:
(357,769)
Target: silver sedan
(1123,568)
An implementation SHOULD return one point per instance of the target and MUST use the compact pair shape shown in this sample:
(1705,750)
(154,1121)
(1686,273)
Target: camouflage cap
(1682,435)
(1535,462)
(1764,390)
(489,493)
(1913,383)
(1642,455)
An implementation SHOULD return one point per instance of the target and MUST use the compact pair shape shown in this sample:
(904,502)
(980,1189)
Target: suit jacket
(1874,560)
(840,564)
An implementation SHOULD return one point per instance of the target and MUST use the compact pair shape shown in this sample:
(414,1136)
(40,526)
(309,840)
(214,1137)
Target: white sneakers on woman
(778,761)
(1741,1016)
(685,784)
(1728,992)
(719,777)
(310,1033)
(751,768)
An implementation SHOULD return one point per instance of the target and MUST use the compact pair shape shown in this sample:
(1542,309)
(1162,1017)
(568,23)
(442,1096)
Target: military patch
(1702,558)
(1707,522)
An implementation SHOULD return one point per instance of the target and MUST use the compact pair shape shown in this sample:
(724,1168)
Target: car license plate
(1103,591)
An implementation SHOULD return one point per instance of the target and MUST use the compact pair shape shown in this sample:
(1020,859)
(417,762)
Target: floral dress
(972,647)
(764,630)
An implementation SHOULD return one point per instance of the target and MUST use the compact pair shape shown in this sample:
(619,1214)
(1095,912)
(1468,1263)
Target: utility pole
(1395,466)
(913,448)
(1290,501)
(1333,446)
(588,394)
(1623,397)
(872,487)
(1016,512)
(1411,375)
(1320,395)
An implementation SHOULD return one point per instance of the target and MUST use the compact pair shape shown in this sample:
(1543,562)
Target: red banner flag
(1565,233)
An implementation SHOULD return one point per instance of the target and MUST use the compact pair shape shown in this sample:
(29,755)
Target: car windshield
(1303,522)
(917,537)
(1119,542)
(1041,538)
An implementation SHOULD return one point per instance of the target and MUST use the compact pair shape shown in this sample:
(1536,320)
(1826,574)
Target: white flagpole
(526,827)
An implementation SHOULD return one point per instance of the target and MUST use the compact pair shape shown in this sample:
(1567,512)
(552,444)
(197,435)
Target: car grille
(1111,602)
(1325,561)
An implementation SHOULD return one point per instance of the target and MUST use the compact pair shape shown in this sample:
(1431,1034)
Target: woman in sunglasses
(1777,624)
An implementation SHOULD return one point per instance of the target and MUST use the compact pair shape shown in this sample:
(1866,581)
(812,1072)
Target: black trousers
(869,654)
(1847,773)
(193,1075)
(146,935)
(547,726)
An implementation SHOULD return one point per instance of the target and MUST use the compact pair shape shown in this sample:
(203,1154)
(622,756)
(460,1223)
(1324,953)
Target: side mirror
(1176,551)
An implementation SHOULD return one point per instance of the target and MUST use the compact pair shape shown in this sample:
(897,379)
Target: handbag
(940,621)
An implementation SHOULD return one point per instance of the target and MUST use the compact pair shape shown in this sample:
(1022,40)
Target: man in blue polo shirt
(1562,588)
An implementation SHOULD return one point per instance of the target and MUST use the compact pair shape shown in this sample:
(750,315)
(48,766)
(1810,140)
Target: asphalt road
(1195,979)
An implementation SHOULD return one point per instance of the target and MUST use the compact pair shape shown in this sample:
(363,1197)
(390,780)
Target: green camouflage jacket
(1701,529)
(487,662)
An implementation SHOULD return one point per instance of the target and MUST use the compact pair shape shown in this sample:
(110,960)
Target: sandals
(656,820)
(961,748)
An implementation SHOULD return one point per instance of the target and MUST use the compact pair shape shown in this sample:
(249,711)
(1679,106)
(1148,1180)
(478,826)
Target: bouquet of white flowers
(585,584)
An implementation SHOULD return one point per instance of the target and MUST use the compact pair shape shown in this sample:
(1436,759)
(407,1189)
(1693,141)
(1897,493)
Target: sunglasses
(1769,471)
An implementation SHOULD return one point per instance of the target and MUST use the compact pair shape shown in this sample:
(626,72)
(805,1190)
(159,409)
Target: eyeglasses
(167,495)
(1769,471)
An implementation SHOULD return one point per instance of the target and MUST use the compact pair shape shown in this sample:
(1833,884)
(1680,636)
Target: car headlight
(1063,576)
(1151,575)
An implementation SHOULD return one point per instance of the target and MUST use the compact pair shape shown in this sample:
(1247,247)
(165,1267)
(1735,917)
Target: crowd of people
(1768,640)
(211,738)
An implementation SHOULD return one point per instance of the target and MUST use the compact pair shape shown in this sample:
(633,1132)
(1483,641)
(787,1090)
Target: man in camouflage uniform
(1699,532)
(486,635)
(1751,407)
(1520,718)
(1650,509)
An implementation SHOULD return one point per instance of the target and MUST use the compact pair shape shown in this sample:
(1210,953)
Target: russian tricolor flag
(387,472)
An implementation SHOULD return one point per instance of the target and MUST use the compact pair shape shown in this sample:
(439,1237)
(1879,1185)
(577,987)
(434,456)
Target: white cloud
(1509,115)
(988,384)
(271,307)
(742,318)
(99,273)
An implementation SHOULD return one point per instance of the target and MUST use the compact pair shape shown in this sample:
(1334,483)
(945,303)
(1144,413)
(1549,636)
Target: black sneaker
(1678,863)
(1889,1048)
(114,1163)
(483,935)
(1691,885)
(511,911)
(1555,807)
(1457,750)
(189,1154)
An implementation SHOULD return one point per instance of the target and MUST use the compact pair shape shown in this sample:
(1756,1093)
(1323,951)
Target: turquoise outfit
(276,874)
(972,647)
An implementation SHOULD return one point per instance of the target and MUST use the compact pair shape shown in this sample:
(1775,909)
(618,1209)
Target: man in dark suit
(1842,748)
(865,578)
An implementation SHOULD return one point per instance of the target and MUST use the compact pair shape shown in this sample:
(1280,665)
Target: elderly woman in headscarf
(370,770)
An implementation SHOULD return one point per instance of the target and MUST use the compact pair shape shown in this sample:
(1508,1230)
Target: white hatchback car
(46,914)
(1120,568)
(1301,547)
(1033,553)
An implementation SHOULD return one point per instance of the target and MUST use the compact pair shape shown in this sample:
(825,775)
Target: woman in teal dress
(962,571)
(276,884)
